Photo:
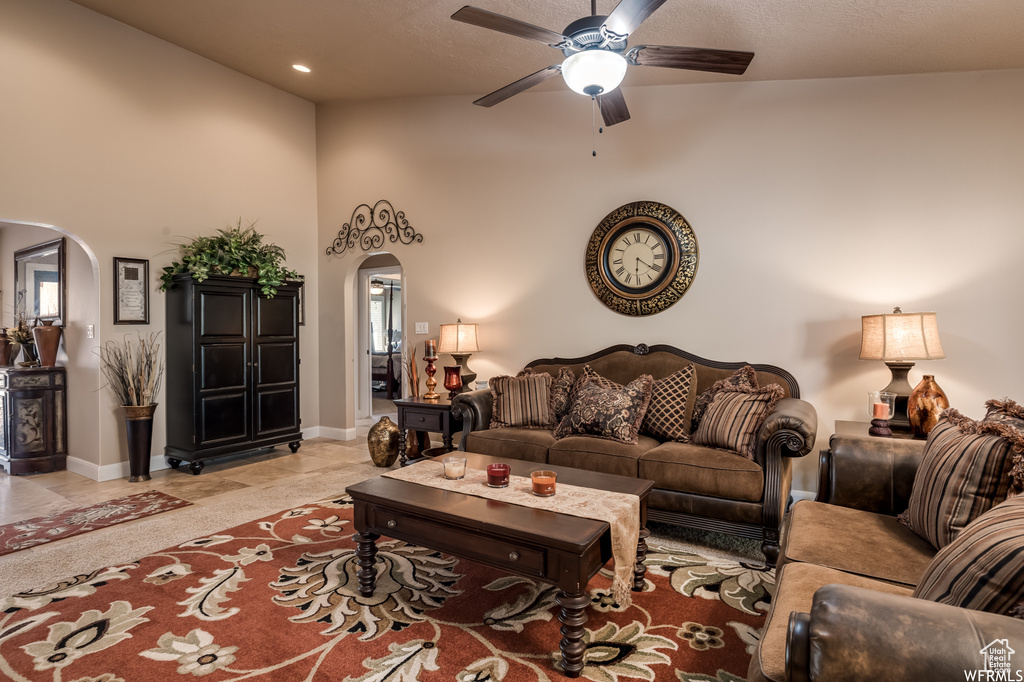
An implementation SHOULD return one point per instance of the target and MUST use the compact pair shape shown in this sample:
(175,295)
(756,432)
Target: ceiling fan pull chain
(593,122)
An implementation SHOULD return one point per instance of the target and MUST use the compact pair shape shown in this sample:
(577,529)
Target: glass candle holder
(543,483)
(497,475)
(453,380)
(881,404)
(454,468)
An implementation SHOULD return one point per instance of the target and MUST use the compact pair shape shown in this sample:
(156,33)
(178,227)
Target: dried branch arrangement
(133,369)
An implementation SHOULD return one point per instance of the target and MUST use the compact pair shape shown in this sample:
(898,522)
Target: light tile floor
(29,496)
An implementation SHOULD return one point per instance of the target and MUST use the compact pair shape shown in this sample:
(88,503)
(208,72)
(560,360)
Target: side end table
(421,414)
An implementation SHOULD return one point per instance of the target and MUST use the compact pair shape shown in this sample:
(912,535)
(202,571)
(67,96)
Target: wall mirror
(40,282)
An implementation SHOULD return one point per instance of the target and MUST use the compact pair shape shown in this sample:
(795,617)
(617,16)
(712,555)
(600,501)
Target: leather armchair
(856,634)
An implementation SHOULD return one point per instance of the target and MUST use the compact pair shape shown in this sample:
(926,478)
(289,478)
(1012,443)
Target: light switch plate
(422,327)
(90,331)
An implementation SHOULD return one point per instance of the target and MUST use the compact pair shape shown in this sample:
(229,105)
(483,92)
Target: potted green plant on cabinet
(234,251)
(134,369)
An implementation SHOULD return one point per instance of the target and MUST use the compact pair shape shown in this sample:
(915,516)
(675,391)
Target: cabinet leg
(294,445)
(196,467)
(366,553)
(572,617)
(174,463)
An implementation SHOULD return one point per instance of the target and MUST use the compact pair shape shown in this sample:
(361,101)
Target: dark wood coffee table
(554,548)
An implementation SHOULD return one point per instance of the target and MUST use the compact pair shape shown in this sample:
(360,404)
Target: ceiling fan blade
(613,107)
(696,58)
(629,14)
(520,85)
(499,22)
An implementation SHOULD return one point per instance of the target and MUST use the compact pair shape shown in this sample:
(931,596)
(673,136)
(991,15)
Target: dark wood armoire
(33,419)
(232,369)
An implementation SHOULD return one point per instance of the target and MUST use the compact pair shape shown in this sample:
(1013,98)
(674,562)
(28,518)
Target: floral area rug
(25,534)
(277,599)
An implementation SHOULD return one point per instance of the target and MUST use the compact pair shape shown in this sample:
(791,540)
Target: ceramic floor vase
(382,441)
(47,336)
(139,427)
(925,406)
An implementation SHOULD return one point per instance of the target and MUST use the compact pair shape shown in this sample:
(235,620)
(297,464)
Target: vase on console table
(47,336)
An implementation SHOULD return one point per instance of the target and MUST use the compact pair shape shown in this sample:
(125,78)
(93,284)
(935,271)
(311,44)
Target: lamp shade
(898,336)
(592,72)
(458,338)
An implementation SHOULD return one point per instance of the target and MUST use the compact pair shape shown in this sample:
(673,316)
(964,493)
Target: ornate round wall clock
(641,258)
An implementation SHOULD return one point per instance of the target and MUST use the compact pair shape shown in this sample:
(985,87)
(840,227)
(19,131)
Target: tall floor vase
(139,425)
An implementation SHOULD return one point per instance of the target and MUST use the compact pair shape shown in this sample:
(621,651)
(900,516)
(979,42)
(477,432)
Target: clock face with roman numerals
(641,258)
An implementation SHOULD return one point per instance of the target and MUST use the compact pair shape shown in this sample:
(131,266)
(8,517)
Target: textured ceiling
(365,49)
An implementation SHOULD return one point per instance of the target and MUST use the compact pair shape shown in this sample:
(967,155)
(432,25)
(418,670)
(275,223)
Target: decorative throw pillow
(668,416)
(743,378)
(734,418)
(561,389)
(1005,411)
(983,568)
(523,401)
(612,413)
(965,470)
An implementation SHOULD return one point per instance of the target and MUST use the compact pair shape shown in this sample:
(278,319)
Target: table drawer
(515,557)
(423,421)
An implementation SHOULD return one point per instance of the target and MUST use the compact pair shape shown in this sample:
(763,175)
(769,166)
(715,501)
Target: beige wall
(130,144)
(814,202)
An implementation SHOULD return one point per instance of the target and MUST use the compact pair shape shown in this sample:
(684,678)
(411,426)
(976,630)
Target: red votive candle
(543,483)
(497,475)
(881,411)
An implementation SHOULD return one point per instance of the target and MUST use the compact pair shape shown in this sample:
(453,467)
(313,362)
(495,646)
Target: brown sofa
(842,608)
(694,486)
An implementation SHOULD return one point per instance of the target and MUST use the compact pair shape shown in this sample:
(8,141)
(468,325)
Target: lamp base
(469,376)
(900,385)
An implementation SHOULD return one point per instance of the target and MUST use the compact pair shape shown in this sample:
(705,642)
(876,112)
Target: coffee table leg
(572,617)
(640,570)
(366,552)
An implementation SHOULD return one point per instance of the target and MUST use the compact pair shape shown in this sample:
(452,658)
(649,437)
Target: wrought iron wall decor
(369,227)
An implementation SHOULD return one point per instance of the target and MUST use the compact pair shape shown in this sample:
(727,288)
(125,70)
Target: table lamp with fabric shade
(898,339)
(460,341)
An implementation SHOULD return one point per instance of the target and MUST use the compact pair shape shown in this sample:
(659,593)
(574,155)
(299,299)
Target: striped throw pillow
(734,418)
(983,568)
(522,402)
(964,472)
(667,416)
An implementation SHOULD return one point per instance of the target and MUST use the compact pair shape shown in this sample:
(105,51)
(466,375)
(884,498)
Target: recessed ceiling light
(300,67)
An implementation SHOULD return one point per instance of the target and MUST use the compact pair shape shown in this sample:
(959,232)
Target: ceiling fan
(596,53)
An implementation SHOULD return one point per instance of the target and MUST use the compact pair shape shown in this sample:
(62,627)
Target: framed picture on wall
(131,291)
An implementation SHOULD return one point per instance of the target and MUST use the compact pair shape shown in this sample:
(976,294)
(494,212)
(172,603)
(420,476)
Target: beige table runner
(620,510)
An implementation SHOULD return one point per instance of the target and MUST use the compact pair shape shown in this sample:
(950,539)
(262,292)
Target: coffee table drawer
(424,421)
(515,557)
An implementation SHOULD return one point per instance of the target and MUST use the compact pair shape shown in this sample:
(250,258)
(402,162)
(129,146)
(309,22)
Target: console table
(421,414)
(33,419)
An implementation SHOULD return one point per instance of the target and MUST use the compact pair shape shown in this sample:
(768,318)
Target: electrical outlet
(90,332)
(422,327)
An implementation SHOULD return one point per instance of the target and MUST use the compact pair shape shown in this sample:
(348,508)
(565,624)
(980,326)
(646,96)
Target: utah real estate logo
(997,666)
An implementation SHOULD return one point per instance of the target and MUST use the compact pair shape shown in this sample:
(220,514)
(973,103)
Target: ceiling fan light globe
(585,71)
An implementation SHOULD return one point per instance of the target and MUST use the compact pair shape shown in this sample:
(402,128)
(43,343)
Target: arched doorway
(381,333)
(80,337)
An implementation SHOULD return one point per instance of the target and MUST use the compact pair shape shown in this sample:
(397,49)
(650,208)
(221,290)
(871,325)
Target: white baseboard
(802,495)
(336,434)
(110,472)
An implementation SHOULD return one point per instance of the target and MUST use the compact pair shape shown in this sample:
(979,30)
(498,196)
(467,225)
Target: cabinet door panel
(223,313)
(223,366)
(223,418)
(276,363)
(276,316)
(277,411)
